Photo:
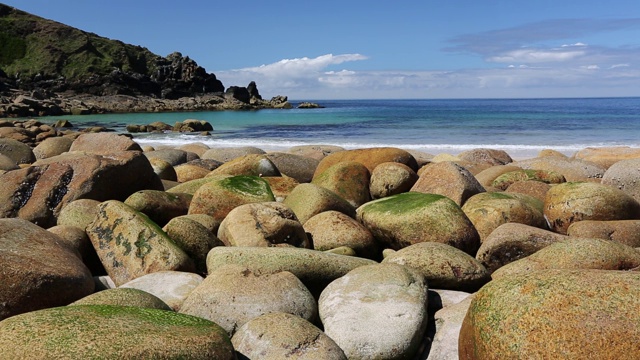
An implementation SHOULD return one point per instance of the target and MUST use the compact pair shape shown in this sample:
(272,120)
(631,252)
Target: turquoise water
(522,127)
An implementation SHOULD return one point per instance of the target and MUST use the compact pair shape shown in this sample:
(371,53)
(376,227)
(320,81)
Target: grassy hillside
(30,45)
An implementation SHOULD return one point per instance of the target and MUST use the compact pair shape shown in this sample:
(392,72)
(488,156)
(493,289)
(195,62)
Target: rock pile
(319,252)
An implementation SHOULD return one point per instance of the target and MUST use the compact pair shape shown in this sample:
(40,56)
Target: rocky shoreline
(314,252)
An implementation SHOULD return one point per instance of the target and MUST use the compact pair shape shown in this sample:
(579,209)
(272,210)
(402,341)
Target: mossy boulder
(503,181)
(443,266)
(218,197)
(406,219)
(489,210)
(123,297)
(575,253)
(571,202)
(370,157)
(159,206)
(307,200)
(550,314)
(348,179)
(488,175)
(249,165)
(513,241)
(448,179)
(130,245)
(114,332)
(79,213)
(194,238)
(281,186)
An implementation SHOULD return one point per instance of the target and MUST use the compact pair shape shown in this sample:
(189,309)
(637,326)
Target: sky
(371,49)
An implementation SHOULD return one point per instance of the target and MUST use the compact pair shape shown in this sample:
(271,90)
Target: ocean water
(522,127)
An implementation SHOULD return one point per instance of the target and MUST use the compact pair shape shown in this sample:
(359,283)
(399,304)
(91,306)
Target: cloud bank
(544,59)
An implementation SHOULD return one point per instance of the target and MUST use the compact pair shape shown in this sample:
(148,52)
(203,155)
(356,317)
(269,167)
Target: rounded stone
(333,229)
(123,297)
(79,213)
(391,178)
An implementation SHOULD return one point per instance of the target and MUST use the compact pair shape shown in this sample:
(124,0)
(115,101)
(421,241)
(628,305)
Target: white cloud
(574,45)
(301,66)
(618,66)
(590,67)
(536,55)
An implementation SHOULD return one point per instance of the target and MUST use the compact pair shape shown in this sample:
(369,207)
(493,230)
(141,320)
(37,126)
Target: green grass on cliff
(30,45)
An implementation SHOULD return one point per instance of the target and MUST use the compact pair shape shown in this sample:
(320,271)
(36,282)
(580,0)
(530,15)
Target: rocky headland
(48,68)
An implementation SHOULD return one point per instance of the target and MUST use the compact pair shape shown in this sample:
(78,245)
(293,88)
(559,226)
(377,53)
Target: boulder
(376,312)
(487,211)
(197,148)
(307,200)
(249,165)
(583,314)
(163,169)
(113,332)
(79,213)
(317,152)
(607,156)
(172,156)
(280,335)
(38,193)
(233,295)
(281,186)
(229,153)
(513,241)
(370,157)
(571,202)
(78,240)
(487,176)
(443,266)
(172,287)
(7,164)
(487,156)
(447,323)
(534,188)
(624,175)
(130,245)
(52,146)
(299,167)
(221,194)
(448,179)
(575,253)
(314,268)
(194,238)
(572,169)
(263,224)
(37,270)
(188,172)
(103,143)
(124,297)
(17,151)
(333,229)
(406,219)
(391,178)
(348,179)
(623,231)
(159,206)
(503,181)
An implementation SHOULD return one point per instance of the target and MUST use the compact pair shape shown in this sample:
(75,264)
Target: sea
(521,127)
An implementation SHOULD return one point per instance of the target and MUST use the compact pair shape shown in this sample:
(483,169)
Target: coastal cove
(522,127)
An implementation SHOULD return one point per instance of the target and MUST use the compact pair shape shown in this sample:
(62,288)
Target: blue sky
(366,49)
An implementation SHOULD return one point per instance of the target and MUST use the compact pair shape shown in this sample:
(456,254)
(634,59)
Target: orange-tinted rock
(370,158)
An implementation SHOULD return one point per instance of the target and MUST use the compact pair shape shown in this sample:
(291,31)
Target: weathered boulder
(17,151)
(197,148)
(37,270)
(583,314)
(486,176)
(298,167)
(370,158)
(513,241)
(448,179)
(575,253)
(314,268)
(503,181)
(534,188)
(607,156)
(572,169)
(376,312)
(130,245)
(79,213)
(7,164)
(249,165)
(103,143)
(307,200)
(221,194)
(229,153)
(52,146)
(447,323)
(333,229)
(281,186)
(263,224)
(172,287)
(188,172)
(159,206)
(391,178)
(571,202)
(233,295)
(348,179)
(487,156)
(172,156)
(113,332)
(406,219)
(163,169)
(317,152)
(78,240)
(194,238)
(278,335)
(487,211)
(624,175)
(38,193)
(623,231)
(443,266)
(123,297)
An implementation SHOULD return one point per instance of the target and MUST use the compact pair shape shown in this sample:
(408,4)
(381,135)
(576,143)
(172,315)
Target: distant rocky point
(309,105)
(48,68)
